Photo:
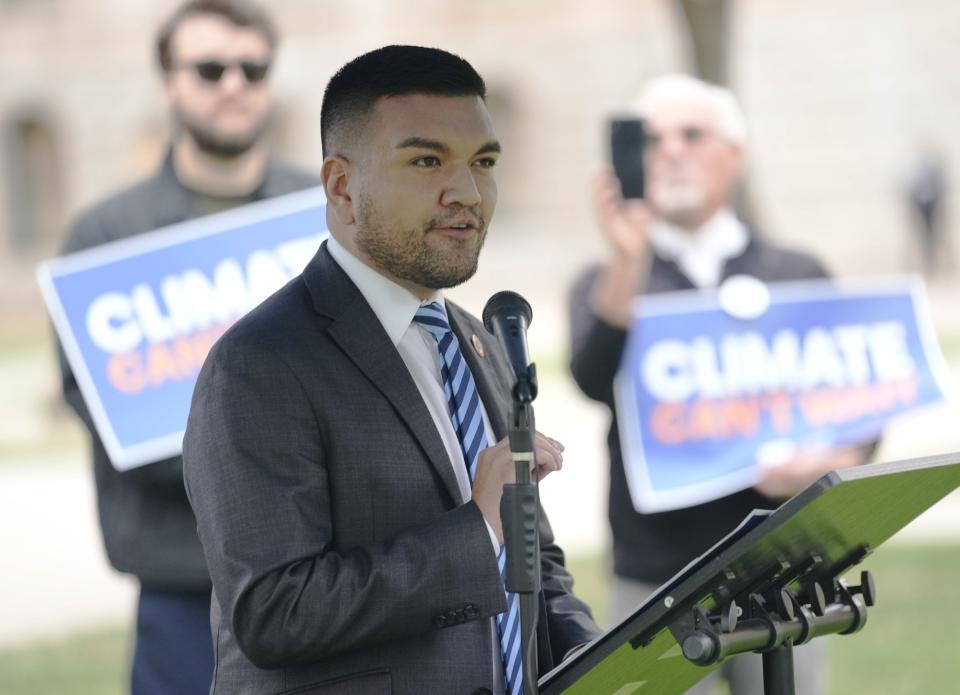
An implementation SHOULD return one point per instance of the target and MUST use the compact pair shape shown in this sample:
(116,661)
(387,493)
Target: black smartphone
(626,153)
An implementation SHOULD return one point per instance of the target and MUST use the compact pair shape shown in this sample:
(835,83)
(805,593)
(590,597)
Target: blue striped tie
(464,404)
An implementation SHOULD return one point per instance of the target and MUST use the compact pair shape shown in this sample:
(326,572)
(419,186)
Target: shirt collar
(702,253)
(393,305)
(270,185)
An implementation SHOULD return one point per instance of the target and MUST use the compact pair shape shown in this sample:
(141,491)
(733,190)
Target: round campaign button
(743,297)
(775,453)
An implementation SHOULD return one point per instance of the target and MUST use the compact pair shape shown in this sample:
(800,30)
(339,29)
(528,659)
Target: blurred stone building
(839,95)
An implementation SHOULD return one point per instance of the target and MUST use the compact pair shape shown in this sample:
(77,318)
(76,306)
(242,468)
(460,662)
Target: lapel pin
(477,345)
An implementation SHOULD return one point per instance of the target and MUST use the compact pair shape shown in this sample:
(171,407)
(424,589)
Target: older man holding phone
(683,234)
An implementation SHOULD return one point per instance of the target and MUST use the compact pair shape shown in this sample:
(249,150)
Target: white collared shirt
(701,254)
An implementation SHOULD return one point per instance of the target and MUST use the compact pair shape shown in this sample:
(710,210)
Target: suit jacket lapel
(358,332)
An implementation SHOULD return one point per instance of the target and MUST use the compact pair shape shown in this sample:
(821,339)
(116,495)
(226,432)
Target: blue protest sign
(137,317)
(708,390)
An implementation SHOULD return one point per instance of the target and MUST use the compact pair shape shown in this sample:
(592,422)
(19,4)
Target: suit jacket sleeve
(256,470)
(568,619)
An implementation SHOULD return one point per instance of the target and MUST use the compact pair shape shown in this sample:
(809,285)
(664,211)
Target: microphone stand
(520,514)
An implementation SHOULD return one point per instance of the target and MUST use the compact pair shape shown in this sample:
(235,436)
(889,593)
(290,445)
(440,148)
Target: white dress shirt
(395,307)
(702,253)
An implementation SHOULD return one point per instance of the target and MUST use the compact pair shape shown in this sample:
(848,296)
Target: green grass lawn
(910,646)
(91,663)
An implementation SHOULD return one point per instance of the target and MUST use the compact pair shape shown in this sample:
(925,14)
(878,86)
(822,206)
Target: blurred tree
(708,30)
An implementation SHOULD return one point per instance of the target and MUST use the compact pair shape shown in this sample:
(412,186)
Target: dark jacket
(148,528)
(653,547)
(343,559)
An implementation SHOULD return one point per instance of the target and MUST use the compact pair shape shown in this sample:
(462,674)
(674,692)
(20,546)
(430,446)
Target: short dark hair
(242,13)
(388,72)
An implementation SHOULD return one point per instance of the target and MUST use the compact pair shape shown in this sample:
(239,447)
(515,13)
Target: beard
(215,142)
(680,202)
(405,254)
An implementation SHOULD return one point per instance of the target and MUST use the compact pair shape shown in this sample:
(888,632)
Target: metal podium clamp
(772,622)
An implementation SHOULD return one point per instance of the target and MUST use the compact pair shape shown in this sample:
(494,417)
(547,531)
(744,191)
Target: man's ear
(336,173)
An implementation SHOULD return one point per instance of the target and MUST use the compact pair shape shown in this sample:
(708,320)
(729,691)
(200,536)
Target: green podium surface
(807,543)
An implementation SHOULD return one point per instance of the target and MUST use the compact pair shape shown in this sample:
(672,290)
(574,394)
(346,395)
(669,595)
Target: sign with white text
(706,395)
(137,317)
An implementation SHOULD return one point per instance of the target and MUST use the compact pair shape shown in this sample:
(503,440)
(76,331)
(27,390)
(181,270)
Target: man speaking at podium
(346,453)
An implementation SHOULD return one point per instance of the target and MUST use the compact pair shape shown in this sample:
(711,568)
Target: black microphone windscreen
(506,302)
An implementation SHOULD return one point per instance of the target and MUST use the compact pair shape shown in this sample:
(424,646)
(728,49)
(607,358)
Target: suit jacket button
(461,616)
(440,621)
(471,611)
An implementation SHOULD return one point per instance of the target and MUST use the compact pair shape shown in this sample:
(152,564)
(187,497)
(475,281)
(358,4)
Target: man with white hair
(684,235)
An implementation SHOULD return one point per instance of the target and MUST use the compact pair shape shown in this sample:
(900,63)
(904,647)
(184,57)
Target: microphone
(507,316)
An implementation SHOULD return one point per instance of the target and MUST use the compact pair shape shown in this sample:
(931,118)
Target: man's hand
(496,468)
(625,224)
(784,480)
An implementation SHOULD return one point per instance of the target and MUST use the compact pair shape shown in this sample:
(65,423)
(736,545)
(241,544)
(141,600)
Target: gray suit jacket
(342,558)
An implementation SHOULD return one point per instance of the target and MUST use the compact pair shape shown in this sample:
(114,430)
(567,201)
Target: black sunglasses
(212,70)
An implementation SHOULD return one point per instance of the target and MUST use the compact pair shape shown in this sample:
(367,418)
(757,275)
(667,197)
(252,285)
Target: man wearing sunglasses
(215,57)
(683,235)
